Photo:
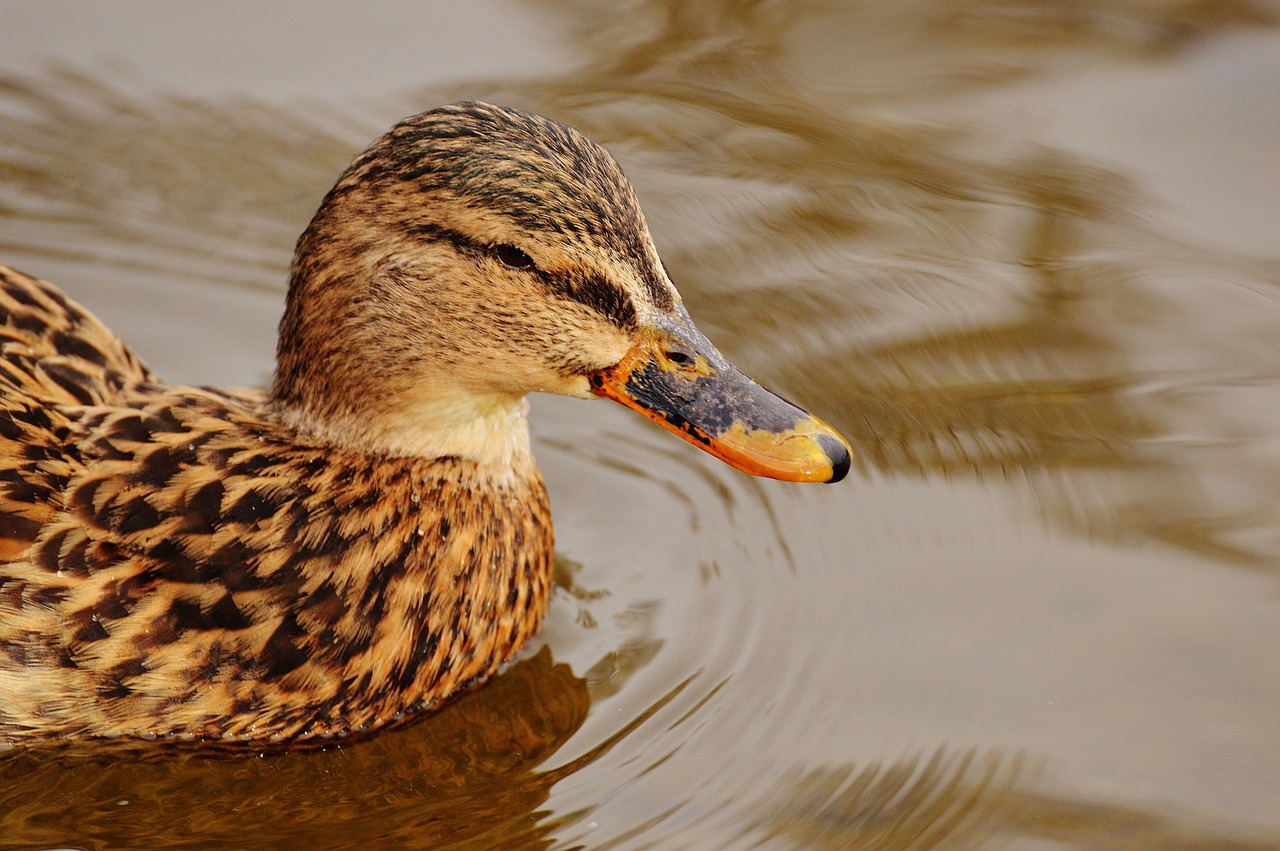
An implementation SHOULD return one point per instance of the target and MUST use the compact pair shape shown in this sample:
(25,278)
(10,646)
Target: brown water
(1026,255)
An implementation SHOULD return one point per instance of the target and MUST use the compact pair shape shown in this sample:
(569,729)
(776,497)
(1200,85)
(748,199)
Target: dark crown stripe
(457,239)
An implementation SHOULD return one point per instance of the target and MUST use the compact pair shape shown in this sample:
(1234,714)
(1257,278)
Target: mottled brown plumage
(372,536)
(179,563)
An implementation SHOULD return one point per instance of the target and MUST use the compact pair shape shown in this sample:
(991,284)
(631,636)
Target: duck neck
(339,382)
(491,430)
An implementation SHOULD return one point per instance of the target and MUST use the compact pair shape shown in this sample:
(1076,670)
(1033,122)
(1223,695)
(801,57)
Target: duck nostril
(679,358)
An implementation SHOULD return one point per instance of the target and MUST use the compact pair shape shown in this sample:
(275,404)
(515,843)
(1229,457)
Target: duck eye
(512,256)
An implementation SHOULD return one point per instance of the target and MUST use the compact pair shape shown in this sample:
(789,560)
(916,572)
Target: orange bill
(675,377)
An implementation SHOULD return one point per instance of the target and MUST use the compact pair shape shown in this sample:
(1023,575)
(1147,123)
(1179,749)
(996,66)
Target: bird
(368,537)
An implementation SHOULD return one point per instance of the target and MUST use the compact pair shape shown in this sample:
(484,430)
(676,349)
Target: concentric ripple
(991,243)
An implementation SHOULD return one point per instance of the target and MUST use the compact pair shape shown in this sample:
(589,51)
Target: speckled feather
(190,567)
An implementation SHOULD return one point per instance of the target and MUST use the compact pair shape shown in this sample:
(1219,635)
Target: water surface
(1026,257)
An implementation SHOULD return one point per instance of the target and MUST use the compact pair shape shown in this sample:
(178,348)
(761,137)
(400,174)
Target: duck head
(475,254)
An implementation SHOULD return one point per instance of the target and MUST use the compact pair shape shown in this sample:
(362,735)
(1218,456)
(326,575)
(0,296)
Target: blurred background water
(1024,253)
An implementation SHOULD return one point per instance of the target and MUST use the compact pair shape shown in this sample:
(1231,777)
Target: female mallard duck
(371,536)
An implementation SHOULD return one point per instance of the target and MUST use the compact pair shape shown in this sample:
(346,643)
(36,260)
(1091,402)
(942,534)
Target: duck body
(371,536)
(177,562)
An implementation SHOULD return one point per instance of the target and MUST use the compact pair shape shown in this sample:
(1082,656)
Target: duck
(369,537)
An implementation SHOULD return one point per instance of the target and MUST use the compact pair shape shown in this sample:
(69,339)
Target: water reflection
(94,170)
(467,776)
(965,800)
(860,241)
(1065,414)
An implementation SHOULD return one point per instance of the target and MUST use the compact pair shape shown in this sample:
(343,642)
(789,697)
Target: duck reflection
(469,774)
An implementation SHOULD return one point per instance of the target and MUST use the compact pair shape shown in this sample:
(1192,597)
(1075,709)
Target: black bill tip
(839,455)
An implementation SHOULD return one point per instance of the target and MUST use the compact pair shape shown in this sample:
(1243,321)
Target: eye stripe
(600,295)
(597,293)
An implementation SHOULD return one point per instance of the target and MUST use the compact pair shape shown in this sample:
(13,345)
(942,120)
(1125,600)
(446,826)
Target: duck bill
(675,377)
